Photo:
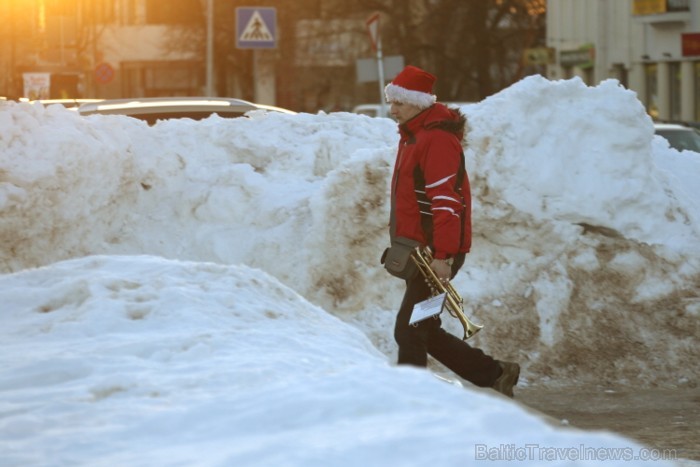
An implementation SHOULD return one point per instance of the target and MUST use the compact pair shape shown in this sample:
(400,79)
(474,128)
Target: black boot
(509,378)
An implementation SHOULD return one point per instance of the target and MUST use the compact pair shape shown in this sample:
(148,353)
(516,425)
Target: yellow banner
(648,7)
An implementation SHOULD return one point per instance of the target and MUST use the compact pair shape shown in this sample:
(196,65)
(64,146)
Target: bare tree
(474,46)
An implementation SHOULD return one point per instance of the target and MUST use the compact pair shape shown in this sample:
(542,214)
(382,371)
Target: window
(696,69)
(674,82)
(677,5)
(167,79)
(103,11)
(60,7)
(652,89)
(98,12)
(170,12)
(620,73)
(128,12)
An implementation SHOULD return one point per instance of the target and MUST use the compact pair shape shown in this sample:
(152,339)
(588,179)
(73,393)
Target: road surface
(663,419)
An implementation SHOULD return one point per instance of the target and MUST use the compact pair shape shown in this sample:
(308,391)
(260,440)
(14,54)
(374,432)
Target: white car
(680,137)
(67,103)
(371,110)
(152,109)
(375,110)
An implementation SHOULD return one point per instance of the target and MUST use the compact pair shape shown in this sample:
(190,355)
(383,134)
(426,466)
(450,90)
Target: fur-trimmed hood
(437,116)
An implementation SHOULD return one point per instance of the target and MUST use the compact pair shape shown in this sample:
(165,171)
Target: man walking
(431,205)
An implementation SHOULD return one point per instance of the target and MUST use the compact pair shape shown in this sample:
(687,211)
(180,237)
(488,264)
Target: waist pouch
(397,258)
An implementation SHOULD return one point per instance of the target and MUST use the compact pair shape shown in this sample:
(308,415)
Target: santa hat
(412,86)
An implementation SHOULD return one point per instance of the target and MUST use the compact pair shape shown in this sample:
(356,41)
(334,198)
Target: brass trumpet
(453,301)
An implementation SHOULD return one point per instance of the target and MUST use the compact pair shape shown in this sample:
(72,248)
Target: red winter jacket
(429,203)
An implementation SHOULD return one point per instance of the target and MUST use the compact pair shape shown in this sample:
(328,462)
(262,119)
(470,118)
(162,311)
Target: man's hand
(442,269)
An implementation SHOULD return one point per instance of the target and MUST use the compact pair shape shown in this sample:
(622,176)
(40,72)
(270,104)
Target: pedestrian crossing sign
(256,28)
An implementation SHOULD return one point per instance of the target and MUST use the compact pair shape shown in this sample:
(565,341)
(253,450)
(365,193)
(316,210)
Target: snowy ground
(208,293)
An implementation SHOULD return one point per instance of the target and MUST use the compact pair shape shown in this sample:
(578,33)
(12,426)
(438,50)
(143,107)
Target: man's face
(403,112)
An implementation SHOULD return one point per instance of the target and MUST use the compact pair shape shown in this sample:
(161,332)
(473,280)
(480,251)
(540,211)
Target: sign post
(376,39)
(256,28)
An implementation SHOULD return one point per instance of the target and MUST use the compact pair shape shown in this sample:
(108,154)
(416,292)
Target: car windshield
(682,140)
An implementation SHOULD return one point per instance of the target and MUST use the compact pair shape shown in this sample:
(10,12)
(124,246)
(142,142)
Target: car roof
(368,106)
(146,105)
(672,126)
(65,102)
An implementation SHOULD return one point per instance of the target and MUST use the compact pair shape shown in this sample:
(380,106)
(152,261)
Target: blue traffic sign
(256,28)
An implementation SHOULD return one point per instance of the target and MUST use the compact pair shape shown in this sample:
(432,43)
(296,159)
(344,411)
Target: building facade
(651,46)
(89,48)
(52,49)
(149,48)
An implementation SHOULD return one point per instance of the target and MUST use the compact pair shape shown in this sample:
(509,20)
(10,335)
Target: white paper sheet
(427,308)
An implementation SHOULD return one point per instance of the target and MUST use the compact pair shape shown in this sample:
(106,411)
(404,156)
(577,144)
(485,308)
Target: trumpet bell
(453,301)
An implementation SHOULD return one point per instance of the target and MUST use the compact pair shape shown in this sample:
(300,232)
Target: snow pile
(585,262)
(229,248)
(145,361)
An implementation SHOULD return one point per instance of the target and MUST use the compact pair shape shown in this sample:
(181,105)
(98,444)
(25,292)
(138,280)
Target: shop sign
(654,7)
(582,58)
(37,85)
(690,44)
(648,7)
(538,56)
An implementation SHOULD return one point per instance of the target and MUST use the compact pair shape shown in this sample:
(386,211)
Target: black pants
(428,337)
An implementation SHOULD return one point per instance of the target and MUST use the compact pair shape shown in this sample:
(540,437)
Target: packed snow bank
(578,155)
(126,360)
(585,261)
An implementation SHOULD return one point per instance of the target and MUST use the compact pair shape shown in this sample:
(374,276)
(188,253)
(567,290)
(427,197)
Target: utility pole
(93,54)
(210,49)
(13,52)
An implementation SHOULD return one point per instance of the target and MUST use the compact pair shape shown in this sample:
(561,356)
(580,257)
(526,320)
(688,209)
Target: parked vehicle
(67,103)
(680,137)
(375,110)
(371,110)
(152,109)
